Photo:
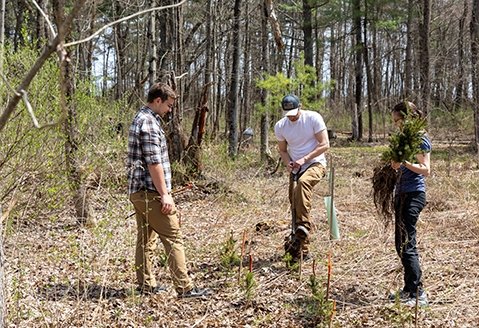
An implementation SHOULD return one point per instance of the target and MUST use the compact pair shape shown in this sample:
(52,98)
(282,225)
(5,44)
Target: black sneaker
(400,294)
(195,293)
(148,290)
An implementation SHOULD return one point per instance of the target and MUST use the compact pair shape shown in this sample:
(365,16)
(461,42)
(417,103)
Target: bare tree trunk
(308,34)
(358,71)
(198,129)
(20,11)
(177,139)
(320,50)
(474,28)
(409,44)
(40,22)
(368,78)
(265,67)
(424,57)
(458,100)
(234,87)
(2,35)
(79,190)
(84,51)
(152,71)
(2,262)
(2,256)
(245,99)
(333,59)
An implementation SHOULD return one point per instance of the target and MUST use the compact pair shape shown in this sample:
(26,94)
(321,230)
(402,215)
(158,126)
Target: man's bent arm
(323,146)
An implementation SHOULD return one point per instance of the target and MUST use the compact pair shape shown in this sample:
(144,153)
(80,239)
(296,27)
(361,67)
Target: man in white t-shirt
(302,141)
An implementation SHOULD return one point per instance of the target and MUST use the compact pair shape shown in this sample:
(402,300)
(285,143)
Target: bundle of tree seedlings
(404,145)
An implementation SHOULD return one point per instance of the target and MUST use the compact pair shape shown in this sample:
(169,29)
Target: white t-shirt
(299,135)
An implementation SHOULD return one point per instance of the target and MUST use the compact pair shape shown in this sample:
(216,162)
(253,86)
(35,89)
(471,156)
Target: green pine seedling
(229,258)
(249,285)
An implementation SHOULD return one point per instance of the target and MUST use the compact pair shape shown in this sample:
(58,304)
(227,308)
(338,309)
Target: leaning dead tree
(192,157)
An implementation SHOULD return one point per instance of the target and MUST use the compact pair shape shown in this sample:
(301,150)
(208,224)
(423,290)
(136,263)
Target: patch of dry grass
(59,275)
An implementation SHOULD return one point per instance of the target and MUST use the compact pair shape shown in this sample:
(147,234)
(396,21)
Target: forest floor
(61,275)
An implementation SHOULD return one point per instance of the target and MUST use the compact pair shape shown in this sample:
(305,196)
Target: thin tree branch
(8,84)
(51,47)
(54,34)
(121,20)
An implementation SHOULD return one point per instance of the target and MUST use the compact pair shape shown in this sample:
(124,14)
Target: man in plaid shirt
(149,188)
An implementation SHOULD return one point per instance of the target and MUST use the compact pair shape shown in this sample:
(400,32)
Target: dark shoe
(148,290)
(301,233)
(399,294)
(292,246)
(195,293)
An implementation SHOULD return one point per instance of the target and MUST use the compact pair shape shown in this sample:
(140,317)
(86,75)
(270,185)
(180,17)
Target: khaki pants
(151,224)
(303,194)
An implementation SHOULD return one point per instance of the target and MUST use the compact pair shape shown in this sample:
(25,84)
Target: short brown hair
(160,90)
(405,108)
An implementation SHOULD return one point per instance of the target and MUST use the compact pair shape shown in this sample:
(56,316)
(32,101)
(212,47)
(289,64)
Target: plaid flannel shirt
(146,145)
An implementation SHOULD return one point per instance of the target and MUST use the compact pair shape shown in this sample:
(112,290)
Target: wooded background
(370,53)
(350,60)
(74,72)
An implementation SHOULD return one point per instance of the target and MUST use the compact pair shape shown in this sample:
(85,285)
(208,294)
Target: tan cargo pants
(151,224)
(302,195)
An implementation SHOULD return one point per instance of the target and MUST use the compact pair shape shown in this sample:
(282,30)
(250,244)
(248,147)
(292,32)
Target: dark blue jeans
(407,207)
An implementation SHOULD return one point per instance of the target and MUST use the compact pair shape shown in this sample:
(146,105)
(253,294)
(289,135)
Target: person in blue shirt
(409,201)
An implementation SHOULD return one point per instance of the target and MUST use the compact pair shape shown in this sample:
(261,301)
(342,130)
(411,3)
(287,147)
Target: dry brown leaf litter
(59,275)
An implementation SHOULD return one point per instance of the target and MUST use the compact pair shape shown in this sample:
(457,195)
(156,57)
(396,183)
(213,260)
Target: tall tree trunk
(192,158)
(358,132)
(408,63)
(84,51)
(474,28)
(151,37)
(368,77)
(79,190)
(20,11)
(265,67)
(234,86)
(2,34)
(40,22)
(424,57)
(245,99)
(2,261)
(2,278)
(308,34)
(121,32)
(334,67)
(458,99)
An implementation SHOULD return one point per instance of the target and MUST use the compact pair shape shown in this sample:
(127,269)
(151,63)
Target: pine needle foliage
(229,258)
(405,144)
(249,285)
(321,308)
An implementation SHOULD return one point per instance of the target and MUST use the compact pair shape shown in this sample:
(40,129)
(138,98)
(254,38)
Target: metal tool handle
(295,177)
